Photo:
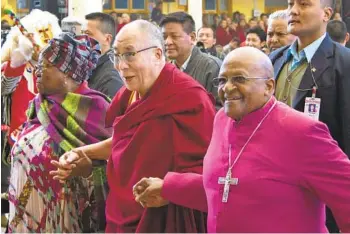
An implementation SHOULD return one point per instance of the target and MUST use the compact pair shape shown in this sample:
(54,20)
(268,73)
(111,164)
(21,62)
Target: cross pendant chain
(227,182)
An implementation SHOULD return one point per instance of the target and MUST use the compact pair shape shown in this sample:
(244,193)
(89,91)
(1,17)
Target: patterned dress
(37,202)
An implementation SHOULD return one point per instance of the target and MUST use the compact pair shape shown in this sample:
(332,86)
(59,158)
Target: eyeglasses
(40,66)
(278,34)
(129,56)
(221,81)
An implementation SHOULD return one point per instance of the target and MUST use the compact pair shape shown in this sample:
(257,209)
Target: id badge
(312,107)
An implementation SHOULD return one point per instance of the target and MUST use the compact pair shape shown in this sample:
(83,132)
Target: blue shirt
(308,52)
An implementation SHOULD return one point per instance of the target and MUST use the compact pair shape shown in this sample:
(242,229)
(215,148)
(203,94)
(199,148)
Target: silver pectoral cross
(227,182)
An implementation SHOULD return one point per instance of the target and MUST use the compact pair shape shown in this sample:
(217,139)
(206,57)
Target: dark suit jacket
(204,68)
(332,76)
(105,78)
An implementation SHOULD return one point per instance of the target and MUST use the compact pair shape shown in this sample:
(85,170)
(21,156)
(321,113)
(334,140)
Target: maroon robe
(234,33)
(241,34)
(169,129)
(120,26)
(222,36)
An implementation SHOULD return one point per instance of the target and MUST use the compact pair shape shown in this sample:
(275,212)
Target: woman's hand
(72,163)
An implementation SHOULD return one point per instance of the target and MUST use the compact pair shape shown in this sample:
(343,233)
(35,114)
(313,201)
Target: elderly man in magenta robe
(268,168)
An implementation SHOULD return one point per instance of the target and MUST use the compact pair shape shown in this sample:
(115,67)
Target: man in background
(338,32)
(234,44)
(124,20)
(264,17)
(315,64)
(104,78)
(207,36)
(178,30)
(156,14)
(253,22)
(256,37)
(277,31)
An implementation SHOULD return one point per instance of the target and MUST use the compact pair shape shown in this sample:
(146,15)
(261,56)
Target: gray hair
(152,32)
(282,14)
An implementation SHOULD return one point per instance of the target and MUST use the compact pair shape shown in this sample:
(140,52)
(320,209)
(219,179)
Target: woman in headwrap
(64,115)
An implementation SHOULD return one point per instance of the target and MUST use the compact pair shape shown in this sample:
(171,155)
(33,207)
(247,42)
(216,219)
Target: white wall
(195,10)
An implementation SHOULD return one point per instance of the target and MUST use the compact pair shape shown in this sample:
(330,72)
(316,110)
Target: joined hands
(72,163)
(148,192)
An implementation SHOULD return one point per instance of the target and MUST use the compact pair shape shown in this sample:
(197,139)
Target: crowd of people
(138,126)
(267,32)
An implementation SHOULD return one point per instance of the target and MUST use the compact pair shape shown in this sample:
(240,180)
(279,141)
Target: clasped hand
(148,192)
(72,163)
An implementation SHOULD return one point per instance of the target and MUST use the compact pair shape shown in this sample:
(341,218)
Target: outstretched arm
(184,189)
(325,170)
(98,151)
(78,161)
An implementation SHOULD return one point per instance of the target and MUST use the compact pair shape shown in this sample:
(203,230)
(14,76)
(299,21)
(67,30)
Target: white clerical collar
(255,116)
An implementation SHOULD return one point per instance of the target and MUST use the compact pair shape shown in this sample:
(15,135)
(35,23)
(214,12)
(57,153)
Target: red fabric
(169,129)
(222,36)
(234,33)
(120,26)
(12,72)
(20,98)
(241,34)
(82,87)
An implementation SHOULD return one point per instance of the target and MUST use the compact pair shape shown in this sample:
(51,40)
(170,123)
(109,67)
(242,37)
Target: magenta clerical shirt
(287,173)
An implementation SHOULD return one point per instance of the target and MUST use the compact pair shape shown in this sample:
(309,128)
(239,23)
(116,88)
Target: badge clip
(312,105)
(314,92)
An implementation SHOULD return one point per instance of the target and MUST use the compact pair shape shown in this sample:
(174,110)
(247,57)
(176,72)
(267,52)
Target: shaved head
(139,55)
(148,32)
(327,3)
(246,81)
(256,62)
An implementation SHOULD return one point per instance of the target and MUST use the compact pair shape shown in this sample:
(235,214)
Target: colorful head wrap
(75,56)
